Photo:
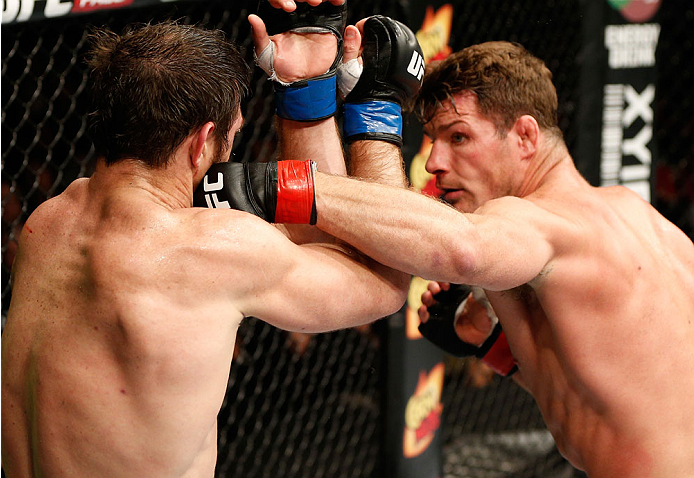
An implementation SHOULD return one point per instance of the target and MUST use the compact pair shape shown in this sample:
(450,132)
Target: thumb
(260,36)
(352,43)
(350,69)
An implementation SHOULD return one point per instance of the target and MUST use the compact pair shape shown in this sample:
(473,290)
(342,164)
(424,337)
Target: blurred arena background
(314,405)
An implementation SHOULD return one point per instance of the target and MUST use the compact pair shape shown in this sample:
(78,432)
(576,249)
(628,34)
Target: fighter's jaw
(461,199)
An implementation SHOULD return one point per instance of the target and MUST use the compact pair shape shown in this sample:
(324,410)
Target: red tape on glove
(500,358)
(295,195)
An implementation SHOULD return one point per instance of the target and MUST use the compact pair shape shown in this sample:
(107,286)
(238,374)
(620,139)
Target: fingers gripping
(313,98)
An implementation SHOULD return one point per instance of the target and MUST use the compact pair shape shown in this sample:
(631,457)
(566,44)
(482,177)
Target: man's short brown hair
(507,80)
(155,84)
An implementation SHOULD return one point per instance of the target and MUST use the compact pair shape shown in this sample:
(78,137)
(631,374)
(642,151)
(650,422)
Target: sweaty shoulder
(517,240)
(228,225)
(68,202)
(53,218)
(230,239)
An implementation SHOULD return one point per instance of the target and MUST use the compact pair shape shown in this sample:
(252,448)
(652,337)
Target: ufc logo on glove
(278,191)
(416,66)
(212,200)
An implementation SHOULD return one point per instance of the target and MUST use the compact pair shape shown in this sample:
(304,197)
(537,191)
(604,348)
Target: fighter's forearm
(377,161)
(318,141)
(397,227)
(518,378)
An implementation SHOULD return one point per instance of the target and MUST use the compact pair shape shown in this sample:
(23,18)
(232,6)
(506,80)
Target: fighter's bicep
(323,287)
(310,287)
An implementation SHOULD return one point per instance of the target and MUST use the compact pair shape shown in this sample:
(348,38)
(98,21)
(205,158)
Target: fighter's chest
(523,319)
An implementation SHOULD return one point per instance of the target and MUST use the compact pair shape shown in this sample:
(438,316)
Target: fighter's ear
(528,135)
(199,145)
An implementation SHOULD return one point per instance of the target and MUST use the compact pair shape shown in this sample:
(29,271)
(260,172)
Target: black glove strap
(484,348)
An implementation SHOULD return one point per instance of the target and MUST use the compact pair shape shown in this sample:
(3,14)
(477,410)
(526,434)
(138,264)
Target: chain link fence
(302,405)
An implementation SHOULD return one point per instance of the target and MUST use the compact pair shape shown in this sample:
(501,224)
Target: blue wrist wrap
(372,117)
(307,100)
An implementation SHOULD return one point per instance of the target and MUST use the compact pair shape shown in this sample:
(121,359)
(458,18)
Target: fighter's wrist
(373,119)
(296,200)
(307,100)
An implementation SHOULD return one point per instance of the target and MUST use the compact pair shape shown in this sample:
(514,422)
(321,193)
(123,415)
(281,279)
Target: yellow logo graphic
(423,412)
(435,32)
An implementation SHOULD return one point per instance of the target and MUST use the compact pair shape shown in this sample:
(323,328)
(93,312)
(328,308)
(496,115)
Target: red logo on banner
(636,11)
(90,5)
(423,412)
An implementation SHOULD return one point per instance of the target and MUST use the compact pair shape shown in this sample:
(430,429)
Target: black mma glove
(279,192)
(392,72)
(315,98)
(440,330)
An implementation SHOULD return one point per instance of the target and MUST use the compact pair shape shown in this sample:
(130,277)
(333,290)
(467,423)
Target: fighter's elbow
(403,286)
(398,293)
(399,283)
(388,298)
(461,261)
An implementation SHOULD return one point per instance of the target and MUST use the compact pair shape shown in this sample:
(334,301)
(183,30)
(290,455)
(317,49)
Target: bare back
(111,350)
(605,334)
(124,313)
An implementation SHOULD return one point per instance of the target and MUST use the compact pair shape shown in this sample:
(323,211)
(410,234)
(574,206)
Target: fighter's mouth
(452,195)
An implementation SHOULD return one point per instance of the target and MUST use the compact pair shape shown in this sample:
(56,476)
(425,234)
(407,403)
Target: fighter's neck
(544,168)
(166,186)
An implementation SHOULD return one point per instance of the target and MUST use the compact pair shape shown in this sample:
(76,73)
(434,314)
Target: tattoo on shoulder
(526,292)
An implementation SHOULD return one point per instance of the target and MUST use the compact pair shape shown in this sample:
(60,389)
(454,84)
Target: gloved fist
(455,312)
(279,192)
(393,67)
